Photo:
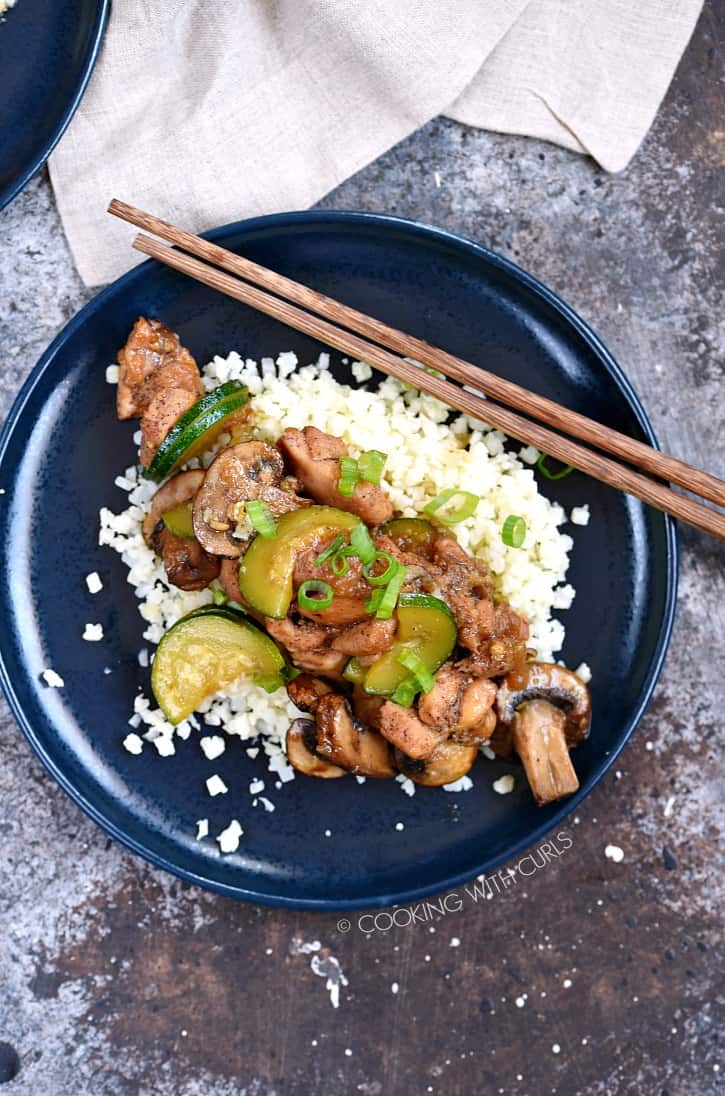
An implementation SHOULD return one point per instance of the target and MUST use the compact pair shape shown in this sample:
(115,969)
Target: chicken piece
(308,646)
(467,589)
(540,741)
(370,637)
(350,590)
(403,728)
(367,706)
(305,692)
(152,360)
(458,702)
(229,580)
(249,470)
(163,412)
(345,741)
(448,763)
(315,459)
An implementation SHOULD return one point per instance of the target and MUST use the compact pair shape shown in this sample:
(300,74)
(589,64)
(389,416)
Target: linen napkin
(207,111)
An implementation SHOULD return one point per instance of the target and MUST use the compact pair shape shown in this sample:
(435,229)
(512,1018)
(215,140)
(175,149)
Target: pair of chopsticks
(311,312)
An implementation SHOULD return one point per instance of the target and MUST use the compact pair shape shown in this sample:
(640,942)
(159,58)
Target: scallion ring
(331,550)
(405,694)
(219,597)
(547,473)
(349,477)
(339,564)
(362,542)
(384,578)
(315,595)
(513,532)
(441,509)
(389,599)
(371,464)
(411,661)
(261,518)
(373,602)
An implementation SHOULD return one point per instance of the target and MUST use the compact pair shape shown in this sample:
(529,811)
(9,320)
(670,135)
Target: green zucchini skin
(208,415)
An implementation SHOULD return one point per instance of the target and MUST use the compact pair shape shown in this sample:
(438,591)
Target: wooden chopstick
(561,418)
(569,452)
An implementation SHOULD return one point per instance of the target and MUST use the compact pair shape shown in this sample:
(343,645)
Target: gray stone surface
(115,978)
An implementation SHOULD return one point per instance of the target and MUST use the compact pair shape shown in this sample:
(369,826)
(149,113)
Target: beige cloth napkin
(207,111)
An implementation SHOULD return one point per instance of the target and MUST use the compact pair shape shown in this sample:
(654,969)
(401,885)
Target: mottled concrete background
(593,976)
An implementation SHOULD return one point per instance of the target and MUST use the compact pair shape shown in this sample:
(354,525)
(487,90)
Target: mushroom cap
(448,763)
(547,681)
(175,492)
(345,741)
(300,752)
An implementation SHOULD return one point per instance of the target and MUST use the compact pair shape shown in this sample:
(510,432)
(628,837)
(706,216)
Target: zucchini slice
(427,627)
(197,429)
(178,521)
(204,652)
(267,567)
(411,534)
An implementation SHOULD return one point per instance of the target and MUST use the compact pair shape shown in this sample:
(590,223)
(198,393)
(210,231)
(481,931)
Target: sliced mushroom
(175,492)
(539,738)
(315,459)
(250,470)
(305,691)
(403,728)
(448,763)
(300,746)
(187,564)
(345,741)
(548,681)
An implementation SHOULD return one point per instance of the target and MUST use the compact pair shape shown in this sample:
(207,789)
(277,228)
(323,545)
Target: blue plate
(61,449)
(47,53)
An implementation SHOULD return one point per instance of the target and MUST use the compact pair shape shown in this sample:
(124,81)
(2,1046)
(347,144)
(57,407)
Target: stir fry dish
(388,636)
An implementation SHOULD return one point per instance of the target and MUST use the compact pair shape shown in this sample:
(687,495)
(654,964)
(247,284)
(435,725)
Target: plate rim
(480,251)
(103,9)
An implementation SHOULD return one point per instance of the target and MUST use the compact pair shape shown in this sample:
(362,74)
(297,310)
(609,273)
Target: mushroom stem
(539,738)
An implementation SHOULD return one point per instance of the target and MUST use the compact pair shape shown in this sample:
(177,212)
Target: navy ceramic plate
(47,52)
(61,449)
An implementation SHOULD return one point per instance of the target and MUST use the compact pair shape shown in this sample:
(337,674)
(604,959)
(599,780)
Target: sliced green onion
(354,671)
(315,594)
(289,673)
(339,564)
(384,578)
(362,542)
(404,695)
(371,464)
(269,682)
(423,677)
(219,597)
(513,531)
(261,518)
(237,605)
(331,550)
(547,474)
(349,476)
(389,599)
(451,515)
(373,602)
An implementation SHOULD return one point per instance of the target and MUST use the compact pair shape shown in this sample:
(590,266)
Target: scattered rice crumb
(463,784)
(112,373)
(93,633)
(256,787)
(93,582)
(164,745)
(613,852)
(212,746)
(216,786)
(455,942)
(266,803)
(567,983)
(361,371)
(555,1048)
(133,743)
(328,833)
(394,988)
(399,826)
(529,455)
(580,515)
(669,805)
(229,838)
(202,829)
(520,1002)
(52,679)
(583,672)
(504,784)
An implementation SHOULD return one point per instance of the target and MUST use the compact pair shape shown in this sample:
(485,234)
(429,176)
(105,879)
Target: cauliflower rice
(427,452)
